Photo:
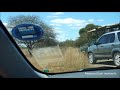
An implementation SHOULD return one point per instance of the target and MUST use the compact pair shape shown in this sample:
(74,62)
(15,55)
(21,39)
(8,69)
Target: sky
(68,24)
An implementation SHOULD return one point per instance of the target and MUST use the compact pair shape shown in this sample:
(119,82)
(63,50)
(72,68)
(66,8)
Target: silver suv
(106,47)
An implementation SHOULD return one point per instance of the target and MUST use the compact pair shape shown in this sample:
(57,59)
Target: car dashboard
(110,73)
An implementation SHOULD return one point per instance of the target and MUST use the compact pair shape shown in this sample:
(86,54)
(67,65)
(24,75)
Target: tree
(82,30)
(90,27)
(67,43)
(86,37)
(33,19)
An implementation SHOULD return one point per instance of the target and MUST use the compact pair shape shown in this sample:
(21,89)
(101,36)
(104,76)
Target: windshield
(63,41)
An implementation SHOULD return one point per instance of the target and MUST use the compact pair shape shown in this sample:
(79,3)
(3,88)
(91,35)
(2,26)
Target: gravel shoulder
(103,63)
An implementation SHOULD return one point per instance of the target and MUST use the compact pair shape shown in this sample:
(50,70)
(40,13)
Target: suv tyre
(116,59)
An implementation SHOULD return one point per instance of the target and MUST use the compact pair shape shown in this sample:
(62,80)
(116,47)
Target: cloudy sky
(68,24)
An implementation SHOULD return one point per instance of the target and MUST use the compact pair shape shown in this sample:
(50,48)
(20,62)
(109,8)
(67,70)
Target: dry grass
(74,60)
(32,59)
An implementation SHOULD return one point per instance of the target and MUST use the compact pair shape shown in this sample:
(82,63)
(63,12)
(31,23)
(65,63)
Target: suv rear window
(118,35)
(103,39)
(111,38)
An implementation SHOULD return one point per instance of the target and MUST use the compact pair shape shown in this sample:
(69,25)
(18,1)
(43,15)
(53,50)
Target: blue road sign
(27,32)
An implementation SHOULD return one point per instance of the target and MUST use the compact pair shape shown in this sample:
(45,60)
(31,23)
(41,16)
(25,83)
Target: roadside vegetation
(73,60)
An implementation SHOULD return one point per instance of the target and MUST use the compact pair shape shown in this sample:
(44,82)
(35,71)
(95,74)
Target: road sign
(27,32)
